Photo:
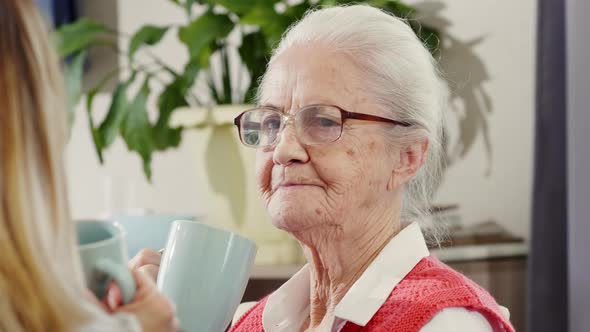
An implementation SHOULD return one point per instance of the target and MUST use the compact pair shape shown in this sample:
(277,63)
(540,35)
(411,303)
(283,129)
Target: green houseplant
(260,24)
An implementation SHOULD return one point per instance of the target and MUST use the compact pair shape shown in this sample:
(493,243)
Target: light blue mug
(101,245)
(204,271)
(146,229)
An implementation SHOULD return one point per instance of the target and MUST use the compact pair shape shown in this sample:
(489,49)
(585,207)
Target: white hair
(403,78)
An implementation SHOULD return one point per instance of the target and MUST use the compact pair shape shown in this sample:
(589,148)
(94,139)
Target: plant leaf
(95,138)
(73,73)
(136,129)
(259,15)
(89,100)
(272,24)
(74,37)
(170,99)
(254,53)
(117,111)
(398,8)
(147,35)
(226,79)
(329,3)
(204,56)
(204,30)
(296,12)
(189,74)
(166,137)
(237,6)
(213,89)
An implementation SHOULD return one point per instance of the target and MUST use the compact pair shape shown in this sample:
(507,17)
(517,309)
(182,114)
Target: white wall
(508,52)
(504,195)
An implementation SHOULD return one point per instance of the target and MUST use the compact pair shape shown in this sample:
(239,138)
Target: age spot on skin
(350,152)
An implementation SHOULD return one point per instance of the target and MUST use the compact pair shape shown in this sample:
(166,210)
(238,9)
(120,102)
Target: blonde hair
(402,76)
(40,278)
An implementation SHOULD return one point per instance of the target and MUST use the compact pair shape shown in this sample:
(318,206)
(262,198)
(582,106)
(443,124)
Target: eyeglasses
(314,124)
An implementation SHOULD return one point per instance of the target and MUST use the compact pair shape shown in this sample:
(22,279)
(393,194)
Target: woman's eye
(272,123)
(252,137)
(325,122)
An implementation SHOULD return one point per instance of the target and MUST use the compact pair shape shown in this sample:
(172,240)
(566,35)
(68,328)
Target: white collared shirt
(288,307)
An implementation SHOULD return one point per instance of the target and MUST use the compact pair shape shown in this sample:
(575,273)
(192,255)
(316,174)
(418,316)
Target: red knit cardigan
(430,287)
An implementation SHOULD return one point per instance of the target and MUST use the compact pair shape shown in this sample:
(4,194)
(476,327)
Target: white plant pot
(227,181)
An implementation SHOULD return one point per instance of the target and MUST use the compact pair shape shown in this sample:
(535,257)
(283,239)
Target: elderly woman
(348,132)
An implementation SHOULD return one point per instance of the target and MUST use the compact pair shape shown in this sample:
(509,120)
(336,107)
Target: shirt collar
(288,307)
(393,263)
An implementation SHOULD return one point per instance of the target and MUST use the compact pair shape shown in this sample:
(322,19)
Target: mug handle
(120,274)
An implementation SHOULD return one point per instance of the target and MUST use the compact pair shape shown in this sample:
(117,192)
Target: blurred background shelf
(448,255)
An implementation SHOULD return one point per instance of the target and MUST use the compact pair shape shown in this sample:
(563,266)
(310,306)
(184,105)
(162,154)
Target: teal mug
(204,271)
(103,252)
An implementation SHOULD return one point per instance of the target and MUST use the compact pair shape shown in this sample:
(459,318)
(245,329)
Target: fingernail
(112,301)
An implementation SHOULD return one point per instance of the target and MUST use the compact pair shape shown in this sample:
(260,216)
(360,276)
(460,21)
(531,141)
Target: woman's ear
(411,158)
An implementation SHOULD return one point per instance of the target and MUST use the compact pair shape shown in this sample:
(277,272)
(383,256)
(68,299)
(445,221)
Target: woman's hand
(151,308)
(154,311)
(148,261)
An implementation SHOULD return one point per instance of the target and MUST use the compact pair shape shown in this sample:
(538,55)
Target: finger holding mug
(147,261)
(154,311)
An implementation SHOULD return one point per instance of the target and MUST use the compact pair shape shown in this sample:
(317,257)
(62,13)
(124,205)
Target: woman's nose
(288,149)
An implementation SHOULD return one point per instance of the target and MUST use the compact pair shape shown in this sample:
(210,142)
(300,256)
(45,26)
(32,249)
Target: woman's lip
(294,185)
(291,185)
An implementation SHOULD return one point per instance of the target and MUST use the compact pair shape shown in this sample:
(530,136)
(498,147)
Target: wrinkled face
(309,186)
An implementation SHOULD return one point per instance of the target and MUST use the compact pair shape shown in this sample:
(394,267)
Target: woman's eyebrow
(278,108)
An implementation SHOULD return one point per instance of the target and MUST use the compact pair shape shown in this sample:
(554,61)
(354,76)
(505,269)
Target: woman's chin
(294,211)
(292,222)
(289,226)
